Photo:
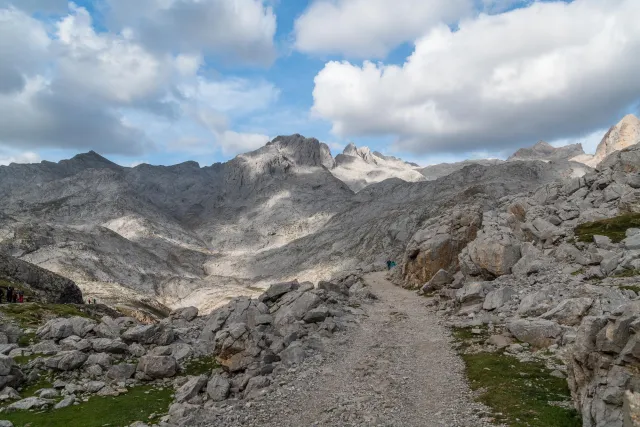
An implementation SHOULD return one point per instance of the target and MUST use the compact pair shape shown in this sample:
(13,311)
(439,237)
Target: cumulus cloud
(548,71)
(239,30)
(371,28)
(231,142)
(26,157)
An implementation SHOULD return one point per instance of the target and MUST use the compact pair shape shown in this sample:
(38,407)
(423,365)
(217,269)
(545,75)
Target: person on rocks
(20,297)
(1,294)
(10,294)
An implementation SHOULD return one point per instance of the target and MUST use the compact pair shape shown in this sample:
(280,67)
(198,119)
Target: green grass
(519,393)
(614,228)
(136,405)
(32,315)
(202,365)
(18,286)
(27,339)
(23,360)
(44,381)
(628,273)
(635,289)
(579,272)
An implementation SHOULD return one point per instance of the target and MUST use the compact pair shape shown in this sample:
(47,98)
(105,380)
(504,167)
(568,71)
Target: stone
(6,349)
(94,386)
(121,372)
(6,423)
(632,242)
(9,393)
(338,288)
(67,401)
(316,315)
(191,388)
(496,299)
(603,242)
(293,355)
(472,293)
(494,255)
(218,388)
(158,334)
(6,363)
(537,332)
(137,350)
(49,393)
(255,384)
(570,311)
(276,290)
(499,341)
(297,309)
(439,280)
(108,345)
(158,366)
(28,404)
(631,409)
(100,359)
(185,313)
(66,360)
(60,328)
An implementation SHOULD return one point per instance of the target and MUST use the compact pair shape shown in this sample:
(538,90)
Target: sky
(166,81)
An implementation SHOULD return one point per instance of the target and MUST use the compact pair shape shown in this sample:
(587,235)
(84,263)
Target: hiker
(20,297)
(10,294)
(1,295)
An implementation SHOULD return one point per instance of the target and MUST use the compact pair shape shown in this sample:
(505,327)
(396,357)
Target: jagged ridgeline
(533,260)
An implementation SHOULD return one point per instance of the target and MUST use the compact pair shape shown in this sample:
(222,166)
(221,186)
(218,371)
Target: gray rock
(218,388)
(6,423)
(496,299)
(570,311)
(537,332)
(108,345)
(338,288)
(94,386)
(158,334)
(293,355)
(191,388)
(316,315)
(185,313)
(100,359)
(158,366)
(48,393)
(121,372)
(472,293)
(137,350)
(5,349)
(67,401)
(499,341)
(66,360)
(28,404)
(9,393)
(603,242)
(59,328)
(6,363)
(632,242)
(255,384)
(275,291)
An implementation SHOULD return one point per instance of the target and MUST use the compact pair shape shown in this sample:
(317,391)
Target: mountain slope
(624,134)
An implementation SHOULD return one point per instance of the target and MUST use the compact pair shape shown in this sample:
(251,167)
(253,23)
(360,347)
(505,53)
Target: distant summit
(625,134)
(546,152)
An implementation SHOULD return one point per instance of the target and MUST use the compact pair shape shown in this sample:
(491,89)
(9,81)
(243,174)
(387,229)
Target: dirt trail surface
(396,368)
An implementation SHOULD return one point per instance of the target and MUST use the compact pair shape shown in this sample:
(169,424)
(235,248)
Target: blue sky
(427,80)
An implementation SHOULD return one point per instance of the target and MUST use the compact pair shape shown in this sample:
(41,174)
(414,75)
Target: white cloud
(371,28)
(549,71)
(26,157)
(234,143)
(106,65)
(24,47)
(498,6)
(239,30)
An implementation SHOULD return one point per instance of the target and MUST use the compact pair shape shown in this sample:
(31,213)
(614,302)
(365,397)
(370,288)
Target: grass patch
(28,339)
(44,381)
(519,393)
(635,289)
(627,273)
(23,360)
(32,315)
(614,228)
(136,405)
(200,366)
(579,272)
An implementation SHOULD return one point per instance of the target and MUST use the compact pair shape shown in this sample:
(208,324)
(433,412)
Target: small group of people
(390,264)
(91,301)
(13,295)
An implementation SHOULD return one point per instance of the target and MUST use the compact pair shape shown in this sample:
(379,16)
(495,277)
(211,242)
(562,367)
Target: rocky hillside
(623,135)
(434,172)
(548,274)
(359,167)
(37,283)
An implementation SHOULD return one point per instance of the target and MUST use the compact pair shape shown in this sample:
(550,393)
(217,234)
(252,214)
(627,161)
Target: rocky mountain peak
(90,160)
(544,151)
(303,151)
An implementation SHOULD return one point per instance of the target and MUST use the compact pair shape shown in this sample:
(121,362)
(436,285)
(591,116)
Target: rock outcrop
(623,135)
(546,152)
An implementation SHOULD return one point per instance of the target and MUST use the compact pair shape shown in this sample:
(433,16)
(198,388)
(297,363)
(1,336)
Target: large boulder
(499,297)
(185,313)
(59,328)
(158,334)
(570,311)
(191,388)
(218,388)
(158,366)
(540,333)
(493,255)
(66,360)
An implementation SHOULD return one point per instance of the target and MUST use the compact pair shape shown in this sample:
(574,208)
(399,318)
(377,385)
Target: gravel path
(396,369)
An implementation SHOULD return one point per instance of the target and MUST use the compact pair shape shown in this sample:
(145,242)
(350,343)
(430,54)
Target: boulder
(540,333)
(631,409)
(158,334)
(218,388)
(294,354)
(496,299)
(439,280)
(101,359)
(570,311)
(298,309)
(275,291)
(158,366)
(185,313)
(29,403)
(339,288)
(473,292)
(121,372)
(66,360)
(108,345)
(59,328)
(316,315)
(494,255)
(67,401)
(191,388)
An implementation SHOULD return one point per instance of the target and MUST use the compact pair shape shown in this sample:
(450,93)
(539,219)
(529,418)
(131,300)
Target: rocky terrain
(534,260)
(546,152)
(623,135)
